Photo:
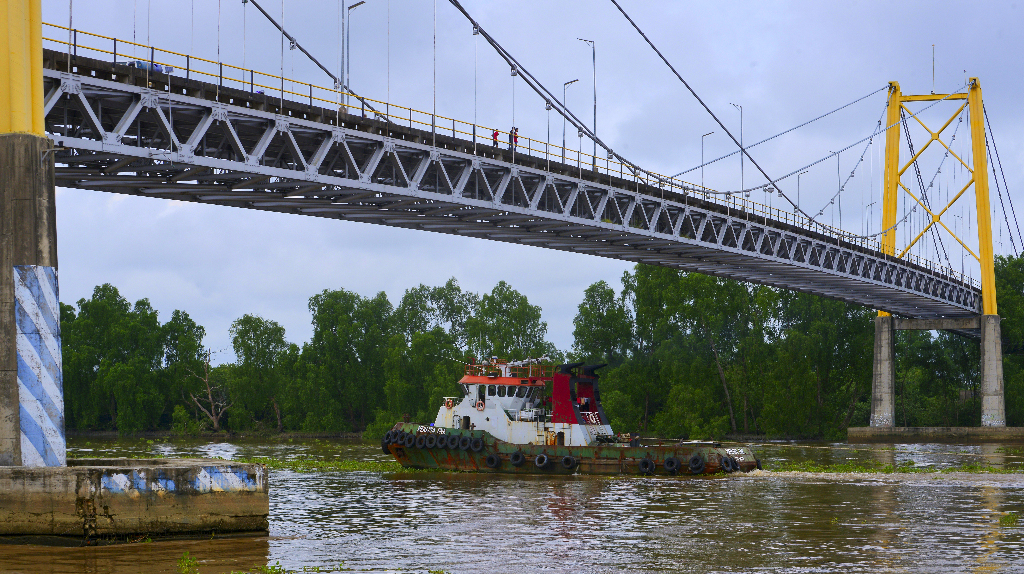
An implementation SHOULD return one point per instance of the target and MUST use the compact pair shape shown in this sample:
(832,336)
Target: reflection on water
(414,522)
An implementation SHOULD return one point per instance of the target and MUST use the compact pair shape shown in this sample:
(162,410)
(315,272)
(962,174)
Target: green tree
(259,345)
(506,325)
(113,354)
(603,327)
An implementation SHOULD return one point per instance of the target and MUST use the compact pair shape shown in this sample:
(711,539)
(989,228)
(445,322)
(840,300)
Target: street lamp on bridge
(564,86)
(702,159)
(593,51)
(347,76)
(740,108)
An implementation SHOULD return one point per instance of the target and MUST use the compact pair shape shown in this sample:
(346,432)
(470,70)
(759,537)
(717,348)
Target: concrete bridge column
(993,405)
(31,387)
(883,377)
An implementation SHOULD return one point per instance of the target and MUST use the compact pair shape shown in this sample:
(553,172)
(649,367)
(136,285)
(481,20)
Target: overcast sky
(783,62)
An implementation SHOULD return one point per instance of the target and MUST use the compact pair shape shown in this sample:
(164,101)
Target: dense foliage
(687,356)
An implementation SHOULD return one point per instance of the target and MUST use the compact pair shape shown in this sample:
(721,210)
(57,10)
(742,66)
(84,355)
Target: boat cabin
(527,402)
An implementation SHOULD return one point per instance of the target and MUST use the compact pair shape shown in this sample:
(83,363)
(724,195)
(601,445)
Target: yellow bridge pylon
(884,374)
(894,171)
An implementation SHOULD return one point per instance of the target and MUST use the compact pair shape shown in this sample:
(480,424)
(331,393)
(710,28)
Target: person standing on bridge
(513,138)
(494,136)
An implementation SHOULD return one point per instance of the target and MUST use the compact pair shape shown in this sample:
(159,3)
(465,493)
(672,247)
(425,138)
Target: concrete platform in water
(935,434)
(112,498)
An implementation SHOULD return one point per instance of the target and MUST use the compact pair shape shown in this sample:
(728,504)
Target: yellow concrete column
(21,67)
(985,252)
(891,181)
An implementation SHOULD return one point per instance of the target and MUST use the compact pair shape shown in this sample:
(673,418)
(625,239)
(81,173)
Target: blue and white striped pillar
(40,385)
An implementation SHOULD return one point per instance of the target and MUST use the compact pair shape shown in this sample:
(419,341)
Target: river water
(469,523)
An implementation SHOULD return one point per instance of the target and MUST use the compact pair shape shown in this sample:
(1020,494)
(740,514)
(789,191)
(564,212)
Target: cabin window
(560,439)
(501,391)
(491,390)
(481,392)
(467,391)
(521,391)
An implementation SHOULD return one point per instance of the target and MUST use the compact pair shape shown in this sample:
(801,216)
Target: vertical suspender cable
(71,16)
(433,113)
(475,43)
(387,105)
(281,107)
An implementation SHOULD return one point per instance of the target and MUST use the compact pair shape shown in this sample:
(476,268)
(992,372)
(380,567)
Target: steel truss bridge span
(199,142)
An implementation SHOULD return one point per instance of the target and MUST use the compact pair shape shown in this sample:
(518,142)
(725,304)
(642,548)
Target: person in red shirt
(494,136)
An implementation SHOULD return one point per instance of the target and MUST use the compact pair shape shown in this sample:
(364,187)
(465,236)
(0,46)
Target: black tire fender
(464,443)
(477,444)
(452,442)
(673,464)
(517,459)
(410,440)
(647,466)
(695,464)
(542,460)
(431,441)
(493,461)
(569,462)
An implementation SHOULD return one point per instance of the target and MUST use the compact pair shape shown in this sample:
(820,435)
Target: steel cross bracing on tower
(231,147)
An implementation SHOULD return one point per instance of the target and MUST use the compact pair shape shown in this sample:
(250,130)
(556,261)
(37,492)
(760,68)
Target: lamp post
(702,159)
(348,46)
(798,188)
(593,52)
(740,108)
(564,86)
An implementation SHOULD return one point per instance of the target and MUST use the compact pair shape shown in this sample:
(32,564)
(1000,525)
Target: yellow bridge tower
(992,402)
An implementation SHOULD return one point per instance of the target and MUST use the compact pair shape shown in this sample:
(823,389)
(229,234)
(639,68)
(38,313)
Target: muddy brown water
(762,522)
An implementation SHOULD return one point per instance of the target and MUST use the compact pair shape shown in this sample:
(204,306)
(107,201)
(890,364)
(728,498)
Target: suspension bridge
(180,127)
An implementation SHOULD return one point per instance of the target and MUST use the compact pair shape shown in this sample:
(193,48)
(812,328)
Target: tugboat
(526,417)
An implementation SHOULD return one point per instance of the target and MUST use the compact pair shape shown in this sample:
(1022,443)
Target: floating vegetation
(1009,519)
(869,467)
(310,464)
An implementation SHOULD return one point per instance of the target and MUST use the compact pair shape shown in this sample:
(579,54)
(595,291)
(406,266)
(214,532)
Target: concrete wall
(935,434)
(112,497)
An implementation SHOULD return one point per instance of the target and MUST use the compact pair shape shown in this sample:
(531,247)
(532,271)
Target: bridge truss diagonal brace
(697,236)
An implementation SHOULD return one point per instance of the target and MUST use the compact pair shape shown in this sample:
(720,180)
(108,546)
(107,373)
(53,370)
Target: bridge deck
(154,135)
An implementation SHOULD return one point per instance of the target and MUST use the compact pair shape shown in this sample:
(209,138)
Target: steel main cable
(550,98)
(337,82)
(842,187)
(706,108)
(1009,198)
(812,164)
(768,139)
(771,182)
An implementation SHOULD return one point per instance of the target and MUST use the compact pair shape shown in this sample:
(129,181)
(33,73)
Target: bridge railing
(482,137)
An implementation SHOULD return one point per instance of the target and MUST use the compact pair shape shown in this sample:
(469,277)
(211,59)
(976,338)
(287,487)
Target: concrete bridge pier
(993,403)
(31,390)
(883,379)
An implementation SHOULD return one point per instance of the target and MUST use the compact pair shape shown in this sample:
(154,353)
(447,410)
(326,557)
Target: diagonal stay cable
(706,108)
(337,82)
(924,191)
(1001,173)
(780,134)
